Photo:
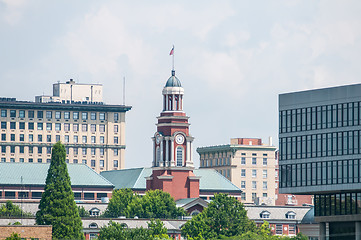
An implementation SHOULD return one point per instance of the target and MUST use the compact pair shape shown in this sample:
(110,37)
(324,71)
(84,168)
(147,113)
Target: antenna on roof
(22,196)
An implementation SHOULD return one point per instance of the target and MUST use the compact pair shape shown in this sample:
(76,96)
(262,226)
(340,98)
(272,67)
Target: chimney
(270,141)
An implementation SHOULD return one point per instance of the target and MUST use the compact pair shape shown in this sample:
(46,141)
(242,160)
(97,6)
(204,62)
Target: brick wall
(40,232)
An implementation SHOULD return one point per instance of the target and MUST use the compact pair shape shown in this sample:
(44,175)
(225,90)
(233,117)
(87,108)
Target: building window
(292,229)
(115,140)
(40,126)
(243,161)
(3,159)
(21,114)
(57,138)
(92,163)
(75,139)
(31,126)
(93,116)
(12,113)
(40,160)
(254,184)
(264,161)
(264,195)
(279,229)
(30,114)
(179,156)
(101,116)
(57,115)
(3,137)
(243,172)
(291,215)
(40,114)
(116,117)
(3,113)
(84,161)
(57,126)
(3,125)
(31,149)
(84,116)
(115,163)
(76,127)
(93,127)
(21,137)
(75,151)
(3,149)
(75,161)
(254,196)
(66,138)
(21,125)
(84,139)
(243,196)
(254,173)
(264,185)
(101,128)
(48,150)
(21,159)
(66,115)
(265,214)
(21,149)
(12,159)
(116,152)
(92,138)
(84,151)
(254,161)
(66,127)
(101,150)
(243,184)
(48,160)
(84,127)
(31,160)
(40,150)
(92,150)
(101,139)
(12,137)
(264,174)
(12,125)
(49,114)
(116,128)
(49,126)
(75,115)
(101,163)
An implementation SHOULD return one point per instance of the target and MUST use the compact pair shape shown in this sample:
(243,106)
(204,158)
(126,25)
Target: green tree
(119,202)
(57,206)
(11,210)
(14,236)
(224,216)
(157,229)
(83,212)
(155,204)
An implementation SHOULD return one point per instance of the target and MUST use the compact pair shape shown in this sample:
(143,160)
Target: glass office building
(320,154)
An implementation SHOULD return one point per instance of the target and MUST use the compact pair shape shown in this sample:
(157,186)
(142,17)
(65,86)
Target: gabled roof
(35,174)
(190,202)
(277,213)
(134,178)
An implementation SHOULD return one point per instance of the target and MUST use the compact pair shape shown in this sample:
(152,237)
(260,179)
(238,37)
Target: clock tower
(172,147)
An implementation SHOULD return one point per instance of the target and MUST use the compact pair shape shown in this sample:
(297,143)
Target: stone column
(167,152)
(358,230)
(173,107)
(322,233)
(188,153)
(154,154)
(172,163)
(161,152)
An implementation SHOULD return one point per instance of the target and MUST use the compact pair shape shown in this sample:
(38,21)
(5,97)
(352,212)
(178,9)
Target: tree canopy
(115,231)
(11,210)
(57,206)
(154,204)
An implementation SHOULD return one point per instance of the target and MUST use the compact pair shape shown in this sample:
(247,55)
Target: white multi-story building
(248,164)
(92,132)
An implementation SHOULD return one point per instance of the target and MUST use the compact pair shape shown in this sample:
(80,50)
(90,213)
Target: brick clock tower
(172,147)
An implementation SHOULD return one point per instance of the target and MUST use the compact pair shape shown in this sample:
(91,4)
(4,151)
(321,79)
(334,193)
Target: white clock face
(179,139)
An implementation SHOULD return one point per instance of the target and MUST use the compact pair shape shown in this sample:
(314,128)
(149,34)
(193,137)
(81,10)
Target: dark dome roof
(173,81)
(309,217)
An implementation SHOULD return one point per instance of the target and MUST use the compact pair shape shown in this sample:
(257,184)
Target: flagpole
(173,57)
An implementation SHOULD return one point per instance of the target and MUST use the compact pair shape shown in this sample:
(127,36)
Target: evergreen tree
(57,206)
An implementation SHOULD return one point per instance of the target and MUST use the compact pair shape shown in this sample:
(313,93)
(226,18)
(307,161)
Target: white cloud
(13,11)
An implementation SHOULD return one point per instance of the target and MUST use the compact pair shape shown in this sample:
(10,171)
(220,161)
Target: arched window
(157,157)
(179,156)
(195,212)
(124,225)
(265,214)
(93,225)
(94,212)
(291,215)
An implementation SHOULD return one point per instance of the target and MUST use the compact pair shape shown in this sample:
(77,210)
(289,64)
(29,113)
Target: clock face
(179,139)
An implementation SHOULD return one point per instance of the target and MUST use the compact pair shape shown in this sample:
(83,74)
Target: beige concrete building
(247,163)
(92,132)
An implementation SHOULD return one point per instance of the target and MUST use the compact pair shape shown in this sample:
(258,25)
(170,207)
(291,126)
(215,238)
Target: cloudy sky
(232,57)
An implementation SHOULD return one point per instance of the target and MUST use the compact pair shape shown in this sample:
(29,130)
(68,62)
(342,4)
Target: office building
(93,132)
(320,154)
(247,163)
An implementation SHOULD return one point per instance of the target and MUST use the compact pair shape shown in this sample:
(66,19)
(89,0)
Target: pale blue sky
(232,57)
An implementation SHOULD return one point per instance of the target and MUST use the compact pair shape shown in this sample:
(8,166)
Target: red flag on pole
(172,51)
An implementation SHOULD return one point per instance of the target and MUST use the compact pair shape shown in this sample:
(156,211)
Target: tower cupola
(173,94)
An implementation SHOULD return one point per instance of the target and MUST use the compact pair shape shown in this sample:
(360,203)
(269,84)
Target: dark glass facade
(320,147)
